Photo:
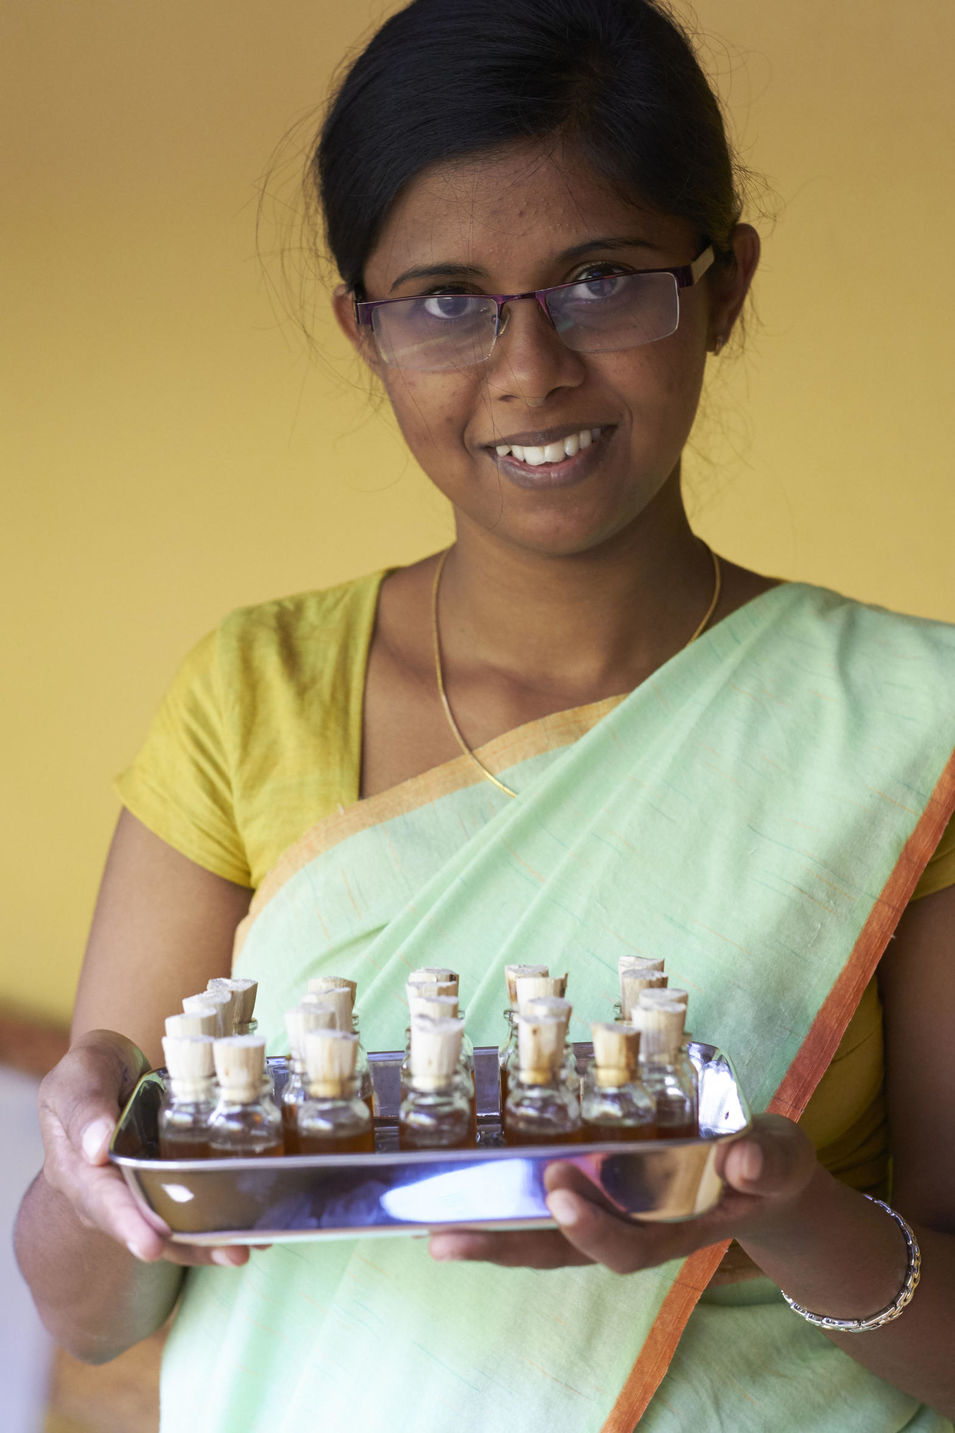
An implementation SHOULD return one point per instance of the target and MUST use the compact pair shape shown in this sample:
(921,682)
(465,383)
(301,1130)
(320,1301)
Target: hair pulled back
(442,79)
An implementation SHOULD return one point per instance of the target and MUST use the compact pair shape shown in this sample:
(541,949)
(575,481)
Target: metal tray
(260,1201)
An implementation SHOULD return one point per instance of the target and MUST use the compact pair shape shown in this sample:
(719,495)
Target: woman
(576,734)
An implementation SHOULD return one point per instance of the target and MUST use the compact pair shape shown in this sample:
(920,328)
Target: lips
(549,458)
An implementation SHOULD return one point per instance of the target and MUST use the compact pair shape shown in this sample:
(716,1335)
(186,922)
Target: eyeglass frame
(686,276)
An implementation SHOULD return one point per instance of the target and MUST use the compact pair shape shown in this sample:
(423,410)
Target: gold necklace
(439,670)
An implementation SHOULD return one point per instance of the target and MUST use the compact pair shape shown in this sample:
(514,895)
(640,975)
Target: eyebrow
(577,251)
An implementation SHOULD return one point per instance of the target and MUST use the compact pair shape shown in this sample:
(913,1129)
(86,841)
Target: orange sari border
(794,1092)
(535,738)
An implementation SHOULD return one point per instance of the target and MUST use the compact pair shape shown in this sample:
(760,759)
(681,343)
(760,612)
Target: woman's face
(523,220)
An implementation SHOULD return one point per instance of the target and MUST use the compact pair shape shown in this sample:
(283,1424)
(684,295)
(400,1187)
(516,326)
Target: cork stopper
(513,973)
(218,987)
(325,984)
(540,1048)
(243,989)
(435,1052)
(633,983)
(330,1063)
(436,975)
(640,963)
(198,1023)
(190,1063)
(435,989)
(218,1000)
(616,1048)
(240,1066)
(548,1007)
(661,1028)
(339,999)
(532,987)
(667,995)
(307,1017)
(435,1007)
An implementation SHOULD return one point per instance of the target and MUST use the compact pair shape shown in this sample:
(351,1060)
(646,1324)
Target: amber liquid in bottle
(188,1098)
(439,1118)
(246,1123)
(313,1143)
(541,1114)
(689,1129)
(332,1124)
(183,1146)
(517,1132)
(616,1133)
(237,1139)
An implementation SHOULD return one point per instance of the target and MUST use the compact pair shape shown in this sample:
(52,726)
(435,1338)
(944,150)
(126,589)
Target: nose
(529,360)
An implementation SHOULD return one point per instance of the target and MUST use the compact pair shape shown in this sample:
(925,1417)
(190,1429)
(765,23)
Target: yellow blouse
(259,738)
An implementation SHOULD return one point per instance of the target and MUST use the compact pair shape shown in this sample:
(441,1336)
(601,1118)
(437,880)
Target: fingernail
(752,1162)
(137,1252)
(96,1138)
(564,1208)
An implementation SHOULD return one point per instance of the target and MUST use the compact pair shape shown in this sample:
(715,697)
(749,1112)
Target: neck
(594,623)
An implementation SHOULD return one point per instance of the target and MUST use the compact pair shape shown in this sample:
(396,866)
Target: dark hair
(617,79)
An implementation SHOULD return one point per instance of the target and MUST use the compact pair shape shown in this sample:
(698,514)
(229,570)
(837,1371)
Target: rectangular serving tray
(261,1201)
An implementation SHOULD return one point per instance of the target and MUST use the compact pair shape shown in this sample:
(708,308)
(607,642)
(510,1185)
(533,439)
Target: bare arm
(104,1277)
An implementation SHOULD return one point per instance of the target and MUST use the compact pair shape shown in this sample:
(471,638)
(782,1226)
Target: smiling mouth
(549,453)
(566,460)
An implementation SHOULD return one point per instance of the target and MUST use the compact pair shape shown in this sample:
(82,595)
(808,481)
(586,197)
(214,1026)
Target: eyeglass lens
(446,331)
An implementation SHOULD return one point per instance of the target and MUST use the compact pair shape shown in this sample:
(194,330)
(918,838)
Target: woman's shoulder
(302,616)
(831,617)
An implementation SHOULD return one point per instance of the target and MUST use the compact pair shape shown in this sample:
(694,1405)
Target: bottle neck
(191,1089)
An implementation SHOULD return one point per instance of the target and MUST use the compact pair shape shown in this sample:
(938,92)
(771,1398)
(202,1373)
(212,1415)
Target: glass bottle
(441,1007)
(436,1108)
(614,1103)
(513,973)
(332,1119)
(666,1069)
(246,1121)
(541,1107)
(294,1092)
(550,1006)
(189,1097)
(342,993)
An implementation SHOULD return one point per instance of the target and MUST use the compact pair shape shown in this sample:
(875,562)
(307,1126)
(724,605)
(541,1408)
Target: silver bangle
(892,1311)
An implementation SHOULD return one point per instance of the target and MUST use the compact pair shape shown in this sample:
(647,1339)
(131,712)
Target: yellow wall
(170,451)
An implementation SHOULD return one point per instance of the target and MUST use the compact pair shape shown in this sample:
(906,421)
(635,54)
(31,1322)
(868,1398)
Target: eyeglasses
(435,332)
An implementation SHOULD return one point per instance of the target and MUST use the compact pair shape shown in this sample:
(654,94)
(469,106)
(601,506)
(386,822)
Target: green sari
(758,812)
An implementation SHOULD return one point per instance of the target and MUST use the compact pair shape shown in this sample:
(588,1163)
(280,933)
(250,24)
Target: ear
(360,337)
(732,285)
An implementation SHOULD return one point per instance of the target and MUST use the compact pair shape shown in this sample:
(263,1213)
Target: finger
(535,1249)
(775,1160)
(226,1256)
(603,1238)
(85,1092)
(104,1202)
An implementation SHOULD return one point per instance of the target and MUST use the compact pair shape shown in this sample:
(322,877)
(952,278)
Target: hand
(765,1173)
(80,1102)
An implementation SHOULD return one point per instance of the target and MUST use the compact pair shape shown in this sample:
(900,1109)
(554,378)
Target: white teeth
(567,447)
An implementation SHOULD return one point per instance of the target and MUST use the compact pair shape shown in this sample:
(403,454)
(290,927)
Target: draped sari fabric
(758,813)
